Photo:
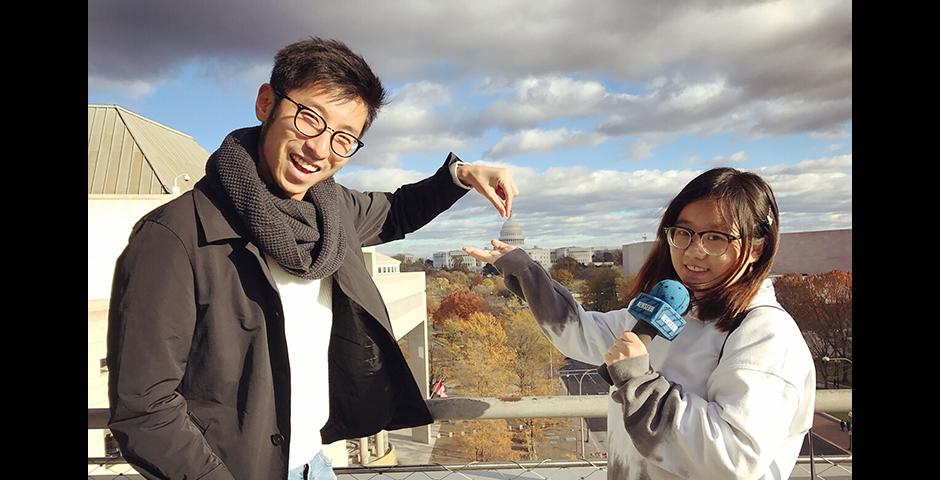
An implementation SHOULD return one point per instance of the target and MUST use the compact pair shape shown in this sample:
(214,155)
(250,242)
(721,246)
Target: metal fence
(481,408)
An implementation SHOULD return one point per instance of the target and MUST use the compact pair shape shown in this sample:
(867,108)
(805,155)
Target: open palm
(490,256)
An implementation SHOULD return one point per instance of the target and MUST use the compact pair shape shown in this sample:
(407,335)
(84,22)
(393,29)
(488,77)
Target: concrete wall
(110,219)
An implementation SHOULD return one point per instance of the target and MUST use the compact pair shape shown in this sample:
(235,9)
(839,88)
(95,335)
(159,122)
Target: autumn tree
(439,284)
(536,357)
(600,291)
(821,304)
(488,440)
(460,303)
(566,263)
(481,354)
(459,264)
(441,360)
(458,280)
(562,276)
(499,286)
(482,359)
(486,286)
(624,286)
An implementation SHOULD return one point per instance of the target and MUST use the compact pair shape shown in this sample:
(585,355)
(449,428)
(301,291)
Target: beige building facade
(799,252)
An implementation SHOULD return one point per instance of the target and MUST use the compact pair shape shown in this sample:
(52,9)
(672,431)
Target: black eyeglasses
(714,243)
(310,124)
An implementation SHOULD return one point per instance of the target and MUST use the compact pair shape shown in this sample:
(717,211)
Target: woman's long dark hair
(745,200)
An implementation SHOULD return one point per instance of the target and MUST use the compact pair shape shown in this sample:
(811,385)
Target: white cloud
(736,157)
(378,179)
(780,117)
(135,89)
(641,148)
(841,164)
(837,132)
(537,99)
(544,76)
(757,68)
(579,206)
(676,105)
(534,141)
(418,118)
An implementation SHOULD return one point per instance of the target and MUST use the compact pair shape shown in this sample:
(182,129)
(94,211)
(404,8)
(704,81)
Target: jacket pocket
(197,422)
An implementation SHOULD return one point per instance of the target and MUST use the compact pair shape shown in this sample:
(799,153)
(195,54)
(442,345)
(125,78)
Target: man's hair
(745,200)
(332,65)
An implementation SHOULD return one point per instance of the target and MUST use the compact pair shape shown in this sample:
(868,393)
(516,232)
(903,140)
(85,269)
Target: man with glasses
(244,329)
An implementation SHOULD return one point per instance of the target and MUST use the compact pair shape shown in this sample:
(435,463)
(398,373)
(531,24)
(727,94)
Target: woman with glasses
(732,396)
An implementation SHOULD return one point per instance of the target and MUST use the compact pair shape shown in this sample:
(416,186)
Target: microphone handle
(645,331)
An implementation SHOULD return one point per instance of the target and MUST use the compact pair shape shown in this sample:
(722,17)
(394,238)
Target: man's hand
(628,345)
(490,256)
(494,183)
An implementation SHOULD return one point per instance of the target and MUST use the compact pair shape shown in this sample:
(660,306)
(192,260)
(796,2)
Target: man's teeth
(695,269)
(306,166)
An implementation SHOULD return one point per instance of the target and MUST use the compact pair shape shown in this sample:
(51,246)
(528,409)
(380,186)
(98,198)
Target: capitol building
(511,234)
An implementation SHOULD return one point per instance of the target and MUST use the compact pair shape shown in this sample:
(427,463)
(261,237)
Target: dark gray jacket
(199,383)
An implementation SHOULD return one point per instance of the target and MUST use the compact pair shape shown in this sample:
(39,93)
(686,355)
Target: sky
(603,111)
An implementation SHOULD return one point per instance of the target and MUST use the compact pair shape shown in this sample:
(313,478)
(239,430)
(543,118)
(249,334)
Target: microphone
(657,313)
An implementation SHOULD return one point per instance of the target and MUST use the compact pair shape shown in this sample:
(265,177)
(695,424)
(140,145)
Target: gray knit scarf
(305,237)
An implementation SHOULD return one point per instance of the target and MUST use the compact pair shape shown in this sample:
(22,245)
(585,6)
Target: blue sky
(603,113)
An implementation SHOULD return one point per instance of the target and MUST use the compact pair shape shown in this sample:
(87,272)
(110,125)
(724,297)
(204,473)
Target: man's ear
(264,104)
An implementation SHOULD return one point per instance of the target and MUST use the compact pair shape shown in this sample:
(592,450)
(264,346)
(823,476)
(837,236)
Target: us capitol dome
(511,233)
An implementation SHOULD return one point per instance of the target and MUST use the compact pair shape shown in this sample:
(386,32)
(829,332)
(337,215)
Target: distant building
(379,262)
(511,234)
(542,256)
(799,252)
(408,257)
(582,255)
(450,258)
